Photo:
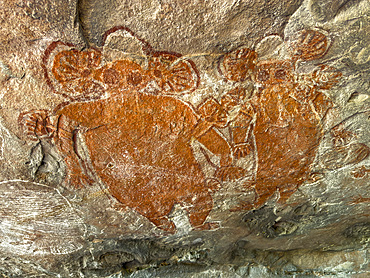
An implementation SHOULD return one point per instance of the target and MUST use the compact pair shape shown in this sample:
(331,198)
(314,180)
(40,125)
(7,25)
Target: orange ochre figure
(138,139)
(123,125)
(286,115)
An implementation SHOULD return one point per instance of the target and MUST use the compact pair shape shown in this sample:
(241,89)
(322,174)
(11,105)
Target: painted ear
(238,65)
(310,45)
(269,47)
(70,72)
(326,77)
(48,63)
(173,74)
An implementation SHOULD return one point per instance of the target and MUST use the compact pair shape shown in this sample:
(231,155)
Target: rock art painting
(125,127)
(282,122)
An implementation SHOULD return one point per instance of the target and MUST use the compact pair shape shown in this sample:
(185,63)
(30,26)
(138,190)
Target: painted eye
(280,74)
(263,75)
(134,78)
(157,73)
(110,76)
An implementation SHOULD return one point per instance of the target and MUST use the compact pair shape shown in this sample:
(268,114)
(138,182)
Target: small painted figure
(284,115)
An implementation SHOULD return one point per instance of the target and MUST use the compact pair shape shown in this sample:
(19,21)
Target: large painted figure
(124,127)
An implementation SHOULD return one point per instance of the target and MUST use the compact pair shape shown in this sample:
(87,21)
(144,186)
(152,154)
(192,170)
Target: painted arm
(213,141)
(240,129)
(66,140)
(39,125)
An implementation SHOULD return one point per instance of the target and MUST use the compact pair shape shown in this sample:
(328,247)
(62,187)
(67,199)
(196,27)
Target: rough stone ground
(48,229)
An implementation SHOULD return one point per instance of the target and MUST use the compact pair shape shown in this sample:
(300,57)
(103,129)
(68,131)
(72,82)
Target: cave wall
(184,138)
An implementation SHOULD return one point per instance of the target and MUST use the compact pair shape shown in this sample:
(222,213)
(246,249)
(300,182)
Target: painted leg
(285,192)
(164,223)
(157,213)
(262,191)
(202,205)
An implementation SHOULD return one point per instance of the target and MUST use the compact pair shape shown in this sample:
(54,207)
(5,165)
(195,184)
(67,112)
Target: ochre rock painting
(137,136)
(124,126)
(361,172)
(283,120)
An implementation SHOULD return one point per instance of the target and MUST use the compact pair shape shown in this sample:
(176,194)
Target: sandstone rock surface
(184,138)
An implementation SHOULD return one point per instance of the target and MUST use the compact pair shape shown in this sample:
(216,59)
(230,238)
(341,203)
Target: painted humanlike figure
(283,120)
(124,127)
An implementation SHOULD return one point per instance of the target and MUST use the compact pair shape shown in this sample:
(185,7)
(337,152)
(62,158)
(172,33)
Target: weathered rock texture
(184,138)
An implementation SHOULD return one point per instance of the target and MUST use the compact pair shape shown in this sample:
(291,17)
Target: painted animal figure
(284,115)
(124,127)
